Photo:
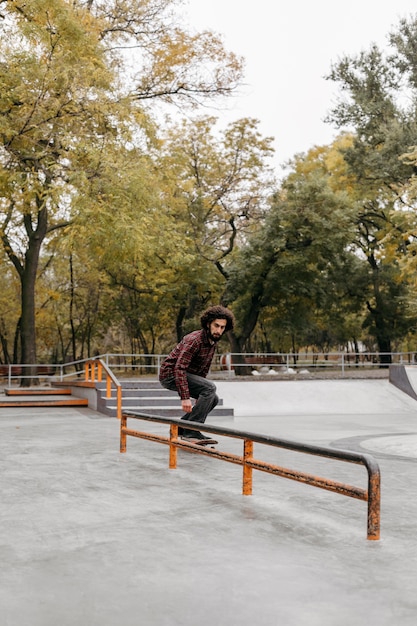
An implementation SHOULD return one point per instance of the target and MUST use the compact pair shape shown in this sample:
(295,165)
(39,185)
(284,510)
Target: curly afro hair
(218,313)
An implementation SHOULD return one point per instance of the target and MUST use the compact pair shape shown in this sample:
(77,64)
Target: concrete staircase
(39,397)
(148,397)
(142,395)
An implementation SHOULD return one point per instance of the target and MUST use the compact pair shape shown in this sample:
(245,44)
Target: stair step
(166,402)
(36,401)
(36,391)
(174,402)
(147,396)
(135,384)
(172,411)
(143,393)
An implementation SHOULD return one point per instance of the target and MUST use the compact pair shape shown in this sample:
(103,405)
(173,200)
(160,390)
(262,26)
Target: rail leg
(119,402)
(173,434)
(123,436)
(374,506)
(247,470)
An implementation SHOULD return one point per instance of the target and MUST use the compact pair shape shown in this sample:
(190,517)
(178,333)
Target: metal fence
(304,362)
(125,364)
(268,362)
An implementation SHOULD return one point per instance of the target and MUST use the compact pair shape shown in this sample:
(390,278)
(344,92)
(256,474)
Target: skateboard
(203,442)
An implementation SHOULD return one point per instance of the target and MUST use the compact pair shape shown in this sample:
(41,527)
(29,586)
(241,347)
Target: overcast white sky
(289,48)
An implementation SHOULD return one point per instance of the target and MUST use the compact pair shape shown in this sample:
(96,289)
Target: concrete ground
(92,537)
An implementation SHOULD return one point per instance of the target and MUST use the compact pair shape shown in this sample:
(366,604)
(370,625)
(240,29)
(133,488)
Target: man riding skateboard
(186,367)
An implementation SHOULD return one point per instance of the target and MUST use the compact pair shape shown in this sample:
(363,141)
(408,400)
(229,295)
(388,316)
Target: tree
(48,80)
(378,103)
(222,185)
(283,267)
(66,103)
(9,313)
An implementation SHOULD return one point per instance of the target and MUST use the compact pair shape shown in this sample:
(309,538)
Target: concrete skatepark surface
(93,537)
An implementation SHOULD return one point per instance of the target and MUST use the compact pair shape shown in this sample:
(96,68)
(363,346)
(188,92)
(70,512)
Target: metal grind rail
(371,495)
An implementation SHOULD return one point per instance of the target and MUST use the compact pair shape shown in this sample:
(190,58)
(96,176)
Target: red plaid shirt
(193,354)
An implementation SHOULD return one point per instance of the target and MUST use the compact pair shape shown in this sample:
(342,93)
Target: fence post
(247,470)
(173,434)
(99,372)
(229,364)
(119,402)
(374,503)
(123,436)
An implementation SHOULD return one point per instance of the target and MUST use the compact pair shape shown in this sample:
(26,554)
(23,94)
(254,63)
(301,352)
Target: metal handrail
(94,372)
(372,494)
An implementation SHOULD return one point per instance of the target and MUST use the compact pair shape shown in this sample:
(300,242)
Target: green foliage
(222,181)
(379,106)
(128,228)
(378,103)
(220,184)
(286,263)
(75,140)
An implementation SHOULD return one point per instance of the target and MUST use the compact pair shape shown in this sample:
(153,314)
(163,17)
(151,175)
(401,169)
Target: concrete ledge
(81,389)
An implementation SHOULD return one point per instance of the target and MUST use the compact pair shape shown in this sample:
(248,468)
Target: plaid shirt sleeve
(194,355)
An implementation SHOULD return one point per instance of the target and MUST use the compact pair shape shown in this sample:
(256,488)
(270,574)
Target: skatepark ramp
(405,378)
(274,398)
(371,495)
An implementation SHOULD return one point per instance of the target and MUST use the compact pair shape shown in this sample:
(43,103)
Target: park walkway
(90,536)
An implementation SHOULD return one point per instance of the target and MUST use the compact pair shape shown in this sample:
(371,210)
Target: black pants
(203,390)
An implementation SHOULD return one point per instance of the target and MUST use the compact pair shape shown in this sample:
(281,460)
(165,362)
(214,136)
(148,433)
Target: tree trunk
(28,275)
(238,342)
(4,343)
(27,327)
(382,334)
(71,311)
(17,356)
(238,359)
(249,321)
(385,357)
(179,321)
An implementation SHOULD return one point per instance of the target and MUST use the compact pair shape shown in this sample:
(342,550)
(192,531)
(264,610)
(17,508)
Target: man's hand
(187,405)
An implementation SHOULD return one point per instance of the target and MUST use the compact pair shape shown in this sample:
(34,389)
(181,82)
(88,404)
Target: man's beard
(214,338)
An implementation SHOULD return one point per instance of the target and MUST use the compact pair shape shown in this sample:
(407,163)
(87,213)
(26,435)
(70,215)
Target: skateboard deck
(203,442)
(207,442)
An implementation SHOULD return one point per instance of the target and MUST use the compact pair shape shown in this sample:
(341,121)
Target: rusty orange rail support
(94,372)
(371,495)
